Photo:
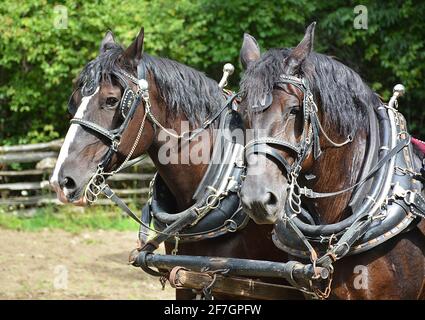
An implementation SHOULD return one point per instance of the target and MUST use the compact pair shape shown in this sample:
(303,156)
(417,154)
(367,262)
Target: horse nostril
(68,183)
(270,199)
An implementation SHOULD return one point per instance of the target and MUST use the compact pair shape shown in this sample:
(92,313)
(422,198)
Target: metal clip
(115,145)
(399,191)
(176,246)
(309,193)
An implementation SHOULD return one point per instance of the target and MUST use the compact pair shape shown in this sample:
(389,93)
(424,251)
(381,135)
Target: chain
(163,281)
(155,120)
(406,171)
(322,295)
(133,148)
(151,184)
(98,180)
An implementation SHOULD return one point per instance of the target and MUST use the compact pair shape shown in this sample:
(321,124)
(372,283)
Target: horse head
(106,119)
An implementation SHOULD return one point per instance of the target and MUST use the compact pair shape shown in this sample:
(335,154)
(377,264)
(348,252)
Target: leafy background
(38,62)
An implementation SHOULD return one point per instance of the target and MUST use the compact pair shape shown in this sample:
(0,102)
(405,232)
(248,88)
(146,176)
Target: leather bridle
(309,140)
(128,105)
(129,102)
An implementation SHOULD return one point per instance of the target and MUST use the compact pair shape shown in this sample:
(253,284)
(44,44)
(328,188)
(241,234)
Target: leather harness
(194,223)
(389,207)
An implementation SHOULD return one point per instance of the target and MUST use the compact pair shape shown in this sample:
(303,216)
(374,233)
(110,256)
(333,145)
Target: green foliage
(68,218)
(38,62)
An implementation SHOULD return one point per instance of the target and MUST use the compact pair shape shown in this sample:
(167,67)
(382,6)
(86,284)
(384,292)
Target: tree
(40,56)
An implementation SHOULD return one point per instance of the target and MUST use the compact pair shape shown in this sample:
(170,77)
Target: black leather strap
(94,127)
(210,120)
(268,151)
(173,229)
(311,194)
(111,195)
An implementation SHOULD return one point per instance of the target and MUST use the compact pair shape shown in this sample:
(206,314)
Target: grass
(68,218)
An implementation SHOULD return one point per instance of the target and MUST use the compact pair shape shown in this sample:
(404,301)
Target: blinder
(263,103)
(90,83)
(310,130)
(127,101)
(128,104)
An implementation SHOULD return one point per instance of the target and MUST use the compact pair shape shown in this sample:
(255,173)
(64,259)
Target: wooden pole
(52,145)
(26,157)
(247,288)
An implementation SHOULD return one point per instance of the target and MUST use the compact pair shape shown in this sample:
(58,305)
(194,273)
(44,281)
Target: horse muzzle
(67,198)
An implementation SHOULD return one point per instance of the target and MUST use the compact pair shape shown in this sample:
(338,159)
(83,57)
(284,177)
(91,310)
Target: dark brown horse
(177,93)
(392,270)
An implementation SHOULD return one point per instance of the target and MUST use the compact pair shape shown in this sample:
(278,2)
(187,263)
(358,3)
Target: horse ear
(135,50)
(107,41)
(301,51)
(250,50)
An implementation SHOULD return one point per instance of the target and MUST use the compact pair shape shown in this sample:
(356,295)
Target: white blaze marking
(70,136)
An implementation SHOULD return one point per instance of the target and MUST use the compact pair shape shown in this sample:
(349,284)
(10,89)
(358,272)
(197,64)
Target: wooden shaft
(247,288)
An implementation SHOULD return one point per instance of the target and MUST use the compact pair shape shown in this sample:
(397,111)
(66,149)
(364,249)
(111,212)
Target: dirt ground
(60,265)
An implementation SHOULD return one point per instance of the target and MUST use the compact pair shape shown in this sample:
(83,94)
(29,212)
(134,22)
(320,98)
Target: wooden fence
(25,171)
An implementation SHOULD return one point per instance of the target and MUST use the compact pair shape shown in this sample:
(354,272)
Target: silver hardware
(399,89)
(232,226)
(143,84)
(228,70)
(176,246)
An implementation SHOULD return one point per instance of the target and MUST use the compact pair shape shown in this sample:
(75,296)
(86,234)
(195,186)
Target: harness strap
(342,247)
(111,195)
(266,150)
(95,127)
(208,122)
(309,193)
(269,140)
(189,217)
(215,115)
(172,230)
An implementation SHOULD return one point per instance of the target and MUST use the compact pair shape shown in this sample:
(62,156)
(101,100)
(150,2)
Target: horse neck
(181,175)
(337,169)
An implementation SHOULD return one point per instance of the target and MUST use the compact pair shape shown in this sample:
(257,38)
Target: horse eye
(111,102)
(295,110)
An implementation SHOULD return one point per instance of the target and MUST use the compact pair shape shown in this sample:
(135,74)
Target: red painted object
(419,144)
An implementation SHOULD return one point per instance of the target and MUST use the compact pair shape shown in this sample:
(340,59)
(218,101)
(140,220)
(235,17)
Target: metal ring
(231,225)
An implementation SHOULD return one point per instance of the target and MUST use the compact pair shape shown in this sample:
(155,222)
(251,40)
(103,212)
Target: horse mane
(343,96)
(183,89)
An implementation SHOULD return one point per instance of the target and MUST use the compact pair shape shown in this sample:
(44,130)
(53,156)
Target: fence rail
(28,184)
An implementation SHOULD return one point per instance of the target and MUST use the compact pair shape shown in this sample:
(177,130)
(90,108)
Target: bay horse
(314,119)
(177,93)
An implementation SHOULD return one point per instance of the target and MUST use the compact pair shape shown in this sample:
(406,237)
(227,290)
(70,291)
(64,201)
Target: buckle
(407,195)
(307,192)
(115,145)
